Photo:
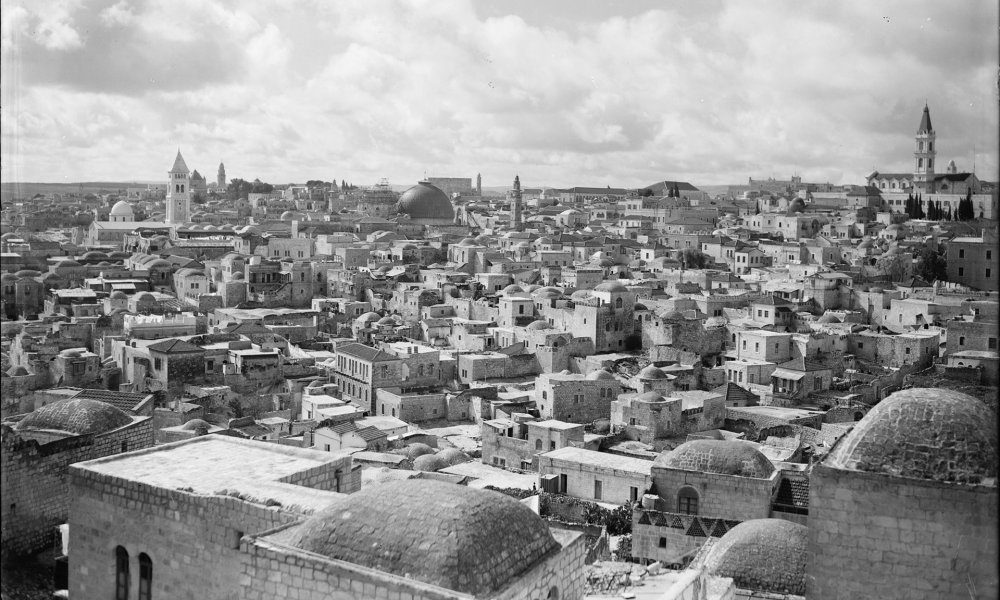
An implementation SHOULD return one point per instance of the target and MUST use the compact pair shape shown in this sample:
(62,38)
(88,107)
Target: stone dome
(538,325)
(27,273)
(714,456)
(195,424)
(122,209)
(368,317)
(513,289)
(673,315)
(463,539)
(650,397)
(611,286)
(600,374)
(290,215)
(94,255)
(923,433)
(763,555)
(69,263)
(828,318)
(467,242)
(145,297)
(453,456)
(652,372)
(417,449)
(78,416)
(429,463)
(425,201)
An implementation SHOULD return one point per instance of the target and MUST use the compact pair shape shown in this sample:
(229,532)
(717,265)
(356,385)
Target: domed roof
(714,456)
(581,295)
(513,289)
(67,263)
(543,241)
(467,242)
(368,317)
(453,456)
(650,397)
(27,273)
(600,374)
(673,315)
(611,286)
(429,463)
(289,215)
(122,209)
(652,372)
(409,247)
(76,415)
(425,201)
(94,255)
(763,555)
(386,527)
(538,325)
(828,318)
(18,371)
(923,433)
(194,424)
(159,262)
(417,449)
(119,295)
(145,297)
(387,320)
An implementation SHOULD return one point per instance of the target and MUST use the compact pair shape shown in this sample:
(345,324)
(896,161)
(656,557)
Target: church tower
(923,174)
(479,184)
(178,192)
(516,220)
(220,179)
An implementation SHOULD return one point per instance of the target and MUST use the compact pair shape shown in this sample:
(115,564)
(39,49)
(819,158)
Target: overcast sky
(563,93)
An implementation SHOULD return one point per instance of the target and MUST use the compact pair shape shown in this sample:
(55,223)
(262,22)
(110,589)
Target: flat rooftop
(601,459)
(778,412)
(212,463)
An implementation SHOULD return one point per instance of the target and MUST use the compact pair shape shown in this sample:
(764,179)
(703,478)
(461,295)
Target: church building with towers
(925,179)
(178,192)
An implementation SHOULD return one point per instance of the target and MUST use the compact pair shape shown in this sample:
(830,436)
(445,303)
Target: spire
(179,165)
(925,121)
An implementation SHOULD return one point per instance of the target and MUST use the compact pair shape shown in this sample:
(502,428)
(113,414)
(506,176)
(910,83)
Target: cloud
(564,93)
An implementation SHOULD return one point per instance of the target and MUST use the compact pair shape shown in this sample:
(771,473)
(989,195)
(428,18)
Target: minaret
(479,184)
(516,220)
(178,192)
(220,179)
(923,174)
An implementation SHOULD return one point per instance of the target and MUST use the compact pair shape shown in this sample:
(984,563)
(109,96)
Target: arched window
(538,444)
(553,593)
(121,573)
(145,577)
(687,501)
(618,303)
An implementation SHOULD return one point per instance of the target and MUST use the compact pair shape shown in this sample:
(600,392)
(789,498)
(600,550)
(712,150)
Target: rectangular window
(633,494)
(992,344)
(961,253)
(157,364)
(663,542)
(597,489)
(961,271)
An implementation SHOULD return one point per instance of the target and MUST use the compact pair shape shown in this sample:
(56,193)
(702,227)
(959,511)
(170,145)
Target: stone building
(518,443)
(975,261)
(762,556)
(596,476)
(576,398)
(905,505)
(416,539)
(360,372)
(650,416)
(36,453)
(171,520)
(703,488)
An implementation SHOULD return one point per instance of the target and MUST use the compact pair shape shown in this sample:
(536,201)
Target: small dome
(18,371)
(417,449)
(828,318)
(611,286)
(385,527)
(145,297)
(650,397)
(27,273)
(368,317)
(923,433)
(452,456)
(763,555)
(543,241)
(581,295)
(122,209)
(387,320)
(289,215)
(538,325)
(429,463)
(652,372)
(69,263)
(600,374)
(639,306)
(467,242)
(78,416)
(425,201)
(194,424)
(513,289)
(674,315)
(713,456)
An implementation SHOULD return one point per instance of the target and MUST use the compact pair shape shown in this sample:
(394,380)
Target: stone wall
(874,535)
(192,539)
(36,492)
(719,495)
(270,569)
(673,537)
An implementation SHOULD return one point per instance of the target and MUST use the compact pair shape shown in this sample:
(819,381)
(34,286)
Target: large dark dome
(78,416)
(425,201)
(924,433)
(463,539)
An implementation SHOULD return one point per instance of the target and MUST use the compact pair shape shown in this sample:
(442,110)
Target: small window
(145,577)
(961,340)
(961,253)
(992,344)
(663,542)
(687,501)
(121,573)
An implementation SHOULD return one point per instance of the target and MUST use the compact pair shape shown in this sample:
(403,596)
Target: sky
(562,93)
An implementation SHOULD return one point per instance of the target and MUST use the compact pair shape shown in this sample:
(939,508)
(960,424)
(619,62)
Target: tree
(198,198)
(695,259)
(677,191)
(909,205)
(919,209)
(931,265)
(645,193)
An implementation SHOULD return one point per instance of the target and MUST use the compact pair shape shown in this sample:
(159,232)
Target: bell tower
(178,192)
(220,179)
(516,220)
(923,155)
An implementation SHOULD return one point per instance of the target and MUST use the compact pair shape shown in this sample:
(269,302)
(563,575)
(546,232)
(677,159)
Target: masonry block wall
(874,535)
(271,569)
(193,540)
(719,495)
(673,537)
(36,491)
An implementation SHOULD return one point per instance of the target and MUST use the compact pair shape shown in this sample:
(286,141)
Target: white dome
(122,209)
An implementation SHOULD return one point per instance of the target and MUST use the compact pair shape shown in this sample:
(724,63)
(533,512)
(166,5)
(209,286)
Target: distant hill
(26,189)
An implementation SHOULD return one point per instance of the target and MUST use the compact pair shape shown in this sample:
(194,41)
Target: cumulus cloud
(564,93)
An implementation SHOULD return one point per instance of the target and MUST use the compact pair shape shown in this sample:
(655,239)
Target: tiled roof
(125,401)
(369,434)
(801,364)
(366,353)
